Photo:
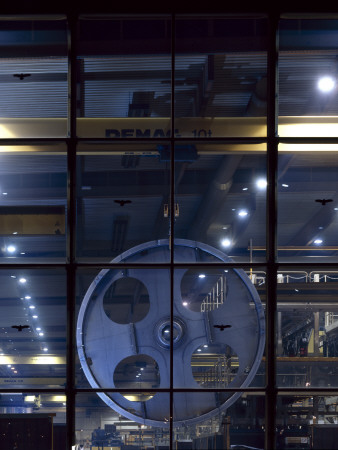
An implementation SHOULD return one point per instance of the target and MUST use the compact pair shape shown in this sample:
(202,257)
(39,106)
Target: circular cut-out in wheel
(217,331)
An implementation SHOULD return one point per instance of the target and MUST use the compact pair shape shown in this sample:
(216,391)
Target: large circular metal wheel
(124,333)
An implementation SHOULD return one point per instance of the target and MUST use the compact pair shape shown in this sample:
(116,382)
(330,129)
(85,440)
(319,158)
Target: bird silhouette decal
(122,202)
(20,327)
(222,327)
(22,76)
(323,201)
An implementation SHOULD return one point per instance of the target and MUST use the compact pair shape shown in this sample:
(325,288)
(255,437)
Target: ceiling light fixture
(226,242)
(261,183)
(318,241)
(326,84)
(243,213)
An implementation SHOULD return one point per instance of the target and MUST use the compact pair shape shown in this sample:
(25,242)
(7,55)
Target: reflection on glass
(220,77)
(307,421)
(33,420)
(33,334)
(308,203)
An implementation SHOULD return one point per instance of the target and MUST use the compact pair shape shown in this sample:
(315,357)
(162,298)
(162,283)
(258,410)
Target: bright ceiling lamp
(318,241)
(261,183)
(226,242)
(11,249)
(326,84)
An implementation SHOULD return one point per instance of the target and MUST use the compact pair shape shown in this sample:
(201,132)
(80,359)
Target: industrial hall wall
(168,231)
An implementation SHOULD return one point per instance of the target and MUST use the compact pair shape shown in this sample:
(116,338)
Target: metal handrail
(325,274)
(215,297)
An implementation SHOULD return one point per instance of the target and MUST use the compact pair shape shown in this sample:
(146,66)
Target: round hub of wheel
(163,332)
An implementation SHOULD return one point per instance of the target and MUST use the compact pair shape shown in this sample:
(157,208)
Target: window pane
(221,197)
(240,426)
(123,198)
(33,194)
(33,328)
(307,346)
(308,202)
(34,78)
(33,420)
(306,421)
(220,326)
(123,330)
(100,426)
(125,77)
(307,77)
(220,77)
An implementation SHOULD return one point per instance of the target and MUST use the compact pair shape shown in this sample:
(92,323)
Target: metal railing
(258,277)
(215,297)
(221,373)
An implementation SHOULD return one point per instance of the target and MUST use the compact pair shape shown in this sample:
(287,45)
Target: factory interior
(168,240)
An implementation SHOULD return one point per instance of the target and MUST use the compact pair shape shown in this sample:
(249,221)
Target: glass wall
(34,77)
(33,203)
(168,213)
(220,77)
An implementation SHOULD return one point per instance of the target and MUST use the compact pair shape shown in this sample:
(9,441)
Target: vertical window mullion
(172,221)
(271,303)
(71,239)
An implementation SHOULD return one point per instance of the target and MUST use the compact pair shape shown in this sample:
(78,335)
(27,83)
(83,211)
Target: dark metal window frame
(71,265)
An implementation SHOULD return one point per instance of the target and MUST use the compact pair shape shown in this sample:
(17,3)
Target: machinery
(125,330)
